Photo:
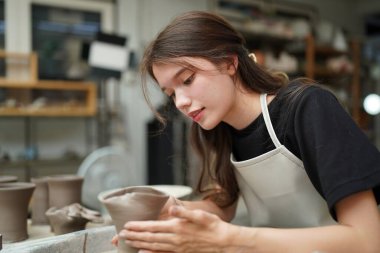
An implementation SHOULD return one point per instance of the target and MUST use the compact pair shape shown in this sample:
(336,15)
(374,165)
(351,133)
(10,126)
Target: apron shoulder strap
(268,122)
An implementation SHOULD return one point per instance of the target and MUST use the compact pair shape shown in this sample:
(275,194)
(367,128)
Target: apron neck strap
(268,123)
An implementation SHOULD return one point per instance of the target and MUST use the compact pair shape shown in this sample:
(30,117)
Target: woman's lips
(196,115)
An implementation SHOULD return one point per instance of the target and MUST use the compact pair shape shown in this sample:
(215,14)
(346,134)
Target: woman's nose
(182,100)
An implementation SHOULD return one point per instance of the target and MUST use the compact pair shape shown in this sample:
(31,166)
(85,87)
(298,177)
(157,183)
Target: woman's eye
(189,80)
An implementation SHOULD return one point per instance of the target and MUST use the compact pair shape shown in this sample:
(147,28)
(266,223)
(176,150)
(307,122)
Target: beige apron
(276,189)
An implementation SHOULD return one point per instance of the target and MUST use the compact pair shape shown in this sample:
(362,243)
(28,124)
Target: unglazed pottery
(14,201)
(133,204)
(40,201)
(71,218)
(64,190)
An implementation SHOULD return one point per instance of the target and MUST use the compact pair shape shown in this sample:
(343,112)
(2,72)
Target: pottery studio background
(55,128)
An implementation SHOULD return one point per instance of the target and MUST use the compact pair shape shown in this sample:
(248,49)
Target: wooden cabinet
(22,94)
(348,80)
(48,98)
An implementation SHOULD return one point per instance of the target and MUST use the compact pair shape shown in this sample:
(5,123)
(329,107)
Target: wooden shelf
(46,112)
(328,51)
(324,72)
(312,57)
(40,162)
(20,63)
(313,70)
(23,93)
(87,107)
(252,36)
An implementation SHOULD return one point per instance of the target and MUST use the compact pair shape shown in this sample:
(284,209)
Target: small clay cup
(40,201)
(136,203)
(64,190)
(14,202)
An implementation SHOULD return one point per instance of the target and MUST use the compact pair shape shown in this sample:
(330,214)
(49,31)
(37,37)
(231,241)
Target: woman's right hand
(164,214)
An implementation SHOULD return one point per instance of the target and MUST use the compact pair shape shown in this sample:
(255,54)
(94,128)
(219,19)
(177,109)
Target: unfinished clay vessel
(71,218)
(40,201)
(8,179)
(64,190)
(132,204)
(14,201)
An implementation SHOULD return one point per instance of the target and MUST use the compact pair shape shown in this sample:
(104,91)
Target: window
(58,36)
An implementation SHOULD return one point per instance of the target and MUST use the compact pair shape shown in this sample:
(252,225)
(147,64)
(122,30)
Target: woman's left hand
(188,231)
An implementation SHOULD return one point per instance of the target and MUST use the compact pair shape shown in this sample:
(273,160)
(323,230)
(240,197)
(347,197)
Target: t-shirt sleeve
(337,155)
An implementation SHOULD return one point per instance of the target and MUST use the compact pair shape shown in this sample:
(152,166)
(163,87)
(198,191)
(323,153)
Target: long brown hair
(209,36)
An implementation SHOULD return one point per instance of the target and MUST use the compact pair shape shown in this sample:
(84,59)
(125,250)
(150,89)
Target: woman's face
(206,94)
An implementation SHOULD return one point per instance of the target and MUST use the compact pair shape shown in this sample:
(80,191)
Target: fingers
(172,201)
(152,226)
(149,251)
(194,216)
(115,240)
(145,236)
(150,247)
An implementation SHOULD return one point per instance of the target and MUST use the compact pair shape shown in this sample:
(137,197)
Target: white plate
(178,191)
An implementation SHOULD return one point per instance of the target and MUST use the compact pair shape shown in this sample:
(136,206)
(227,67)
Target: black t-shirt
(338,157)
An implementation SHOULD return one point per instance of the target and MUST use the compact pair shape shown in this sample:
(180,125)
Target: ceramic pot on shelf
(40,201)
(136,203)
(64,190)
(14,202)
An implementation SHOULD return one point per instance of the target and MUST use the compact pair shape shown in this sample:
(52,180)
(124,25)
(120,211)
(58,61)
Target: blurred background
(70,86)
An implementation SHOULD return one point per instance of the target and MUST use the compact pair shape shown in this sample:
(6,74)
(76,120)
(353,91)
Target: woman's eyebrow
(176,75)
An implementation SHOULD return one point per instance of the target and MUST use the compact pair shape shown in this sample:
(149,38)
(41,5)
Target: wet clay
(14,201)
(133,204)
(71,218)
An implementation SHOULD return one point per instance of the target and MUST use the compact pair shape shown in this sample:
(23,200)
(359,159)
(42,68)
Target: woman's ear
(232,67)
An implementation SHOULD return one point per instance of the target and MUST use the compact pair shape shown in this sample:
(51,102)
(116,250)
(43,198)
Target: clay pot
(14,201)
(8,179)
(40,201)
(64,190)
(132,204)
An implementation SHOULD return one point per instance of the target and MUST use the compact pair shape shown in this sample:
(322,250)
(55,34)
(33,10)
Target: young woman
(308,175)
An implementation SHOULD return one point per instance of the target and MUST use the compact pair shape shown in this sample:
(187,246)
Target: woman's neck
(246,109)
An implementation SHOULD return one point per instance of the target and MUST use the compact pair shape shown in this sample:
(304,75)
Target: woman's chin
(206,126)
